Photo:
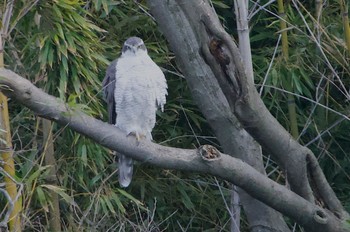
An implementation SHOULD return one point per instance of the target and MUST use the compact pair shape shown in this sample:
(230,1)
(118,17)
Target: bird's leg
(138,136)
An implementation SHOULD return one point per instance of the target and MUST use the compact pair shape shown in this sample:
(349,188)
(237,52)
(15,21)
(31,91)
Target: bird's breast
(136,93)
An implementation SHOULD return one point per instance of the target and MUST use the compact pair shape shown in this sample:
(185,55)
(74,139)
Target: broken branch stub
(209,153)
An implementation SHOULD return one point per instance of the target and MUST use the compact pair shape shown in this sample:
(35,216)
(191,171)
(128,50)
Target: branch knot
(209,153)
(320,216)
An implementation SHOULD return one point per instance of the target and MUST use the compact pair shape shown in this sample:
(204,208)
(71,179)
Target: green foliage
(64,46)
(347,224)
(64,50)
(318,69)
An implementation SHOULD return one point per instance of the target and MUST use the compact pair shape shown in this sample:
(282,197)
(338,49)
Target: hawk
(134,88)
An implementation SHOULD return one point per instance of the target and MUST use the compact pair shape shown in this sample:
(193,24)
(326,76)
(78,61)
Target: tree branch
(208,96)
(248,107)
(220,165)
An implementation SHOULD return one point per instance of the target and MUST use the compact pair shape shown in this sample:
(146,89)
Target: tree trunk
(205,159)
(210,99)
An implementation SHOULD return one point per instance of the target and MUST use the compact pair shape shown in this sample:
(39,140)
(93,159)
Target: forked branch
(220,165)
(248,107)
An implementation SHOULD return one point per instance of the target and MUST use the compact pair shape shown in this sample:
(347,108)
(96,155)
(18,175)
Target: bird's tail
(125,170)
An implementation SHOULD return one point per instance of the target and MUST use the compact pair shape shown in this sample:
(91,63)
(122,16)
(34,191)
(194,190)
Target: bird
(134,88)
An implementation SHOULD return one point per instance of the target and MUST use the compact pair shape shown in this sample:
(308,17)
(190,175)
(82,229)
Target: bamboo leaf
(60,191)
(42,198)
(109,204)
(130,197)
(84,154)
(36,174)
(118,202)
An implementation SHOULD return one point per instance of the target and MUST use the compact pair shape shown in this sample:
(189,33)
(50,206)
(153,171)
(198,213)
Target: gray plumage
(134,88)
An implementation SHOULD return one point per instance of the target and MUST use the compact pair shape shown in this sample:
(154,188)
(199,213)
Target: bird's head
(134,46)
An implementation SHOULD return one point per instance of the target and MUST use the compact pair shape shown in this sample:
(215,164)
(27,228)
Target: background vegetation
(64,47)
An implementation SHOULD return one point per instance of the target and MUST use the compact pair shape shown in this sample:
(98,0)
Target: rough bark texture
(210,99)
(196,23)
(206,159)
(244,100)
(221,54)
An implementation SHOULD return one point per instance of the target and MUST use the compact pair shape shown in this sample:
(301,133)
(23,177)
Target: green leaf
(60,31)
(36,174)
(60,191)
(50,57)
(220,4)
(130,197)
(57,12)
(44,54)
(63,50)
(103,205)
(97,4)
(105,7)
(42,198)
(297,83)
(118,202)
(84,155)
(186,199)
(71,44)
(109,204)
(65,64)
(63,82)
(28,164)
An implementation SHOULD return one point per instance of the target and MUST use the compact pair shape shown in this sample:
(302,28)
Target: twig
(270,65)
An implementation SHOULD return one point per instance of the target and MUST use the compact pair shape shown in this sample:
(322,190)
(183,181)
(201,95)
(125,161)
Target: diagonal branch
(250,110)
(211,101)
(203,160)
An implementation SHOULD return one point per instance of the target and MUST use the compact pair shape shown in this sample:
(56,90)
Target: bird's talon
(138,136)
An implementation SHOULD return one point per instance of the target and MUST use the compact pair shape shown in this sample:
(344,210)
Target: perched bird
(134,88)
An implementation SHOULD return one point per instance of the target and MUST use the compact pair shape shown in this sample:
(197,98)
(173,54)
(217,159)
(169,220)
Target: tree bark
(211,101)
(205,159)
(221,54)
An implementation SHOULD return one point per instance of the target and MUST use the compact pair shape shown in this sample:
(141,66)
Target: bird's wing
(161,89)
(108,85)
(125,163)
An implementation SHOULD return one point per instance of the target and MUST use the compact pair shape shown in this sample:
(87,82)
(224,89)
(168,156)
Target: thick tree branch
(209,98)
(247,105)
(256,118)
(249,108)
(223,166)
